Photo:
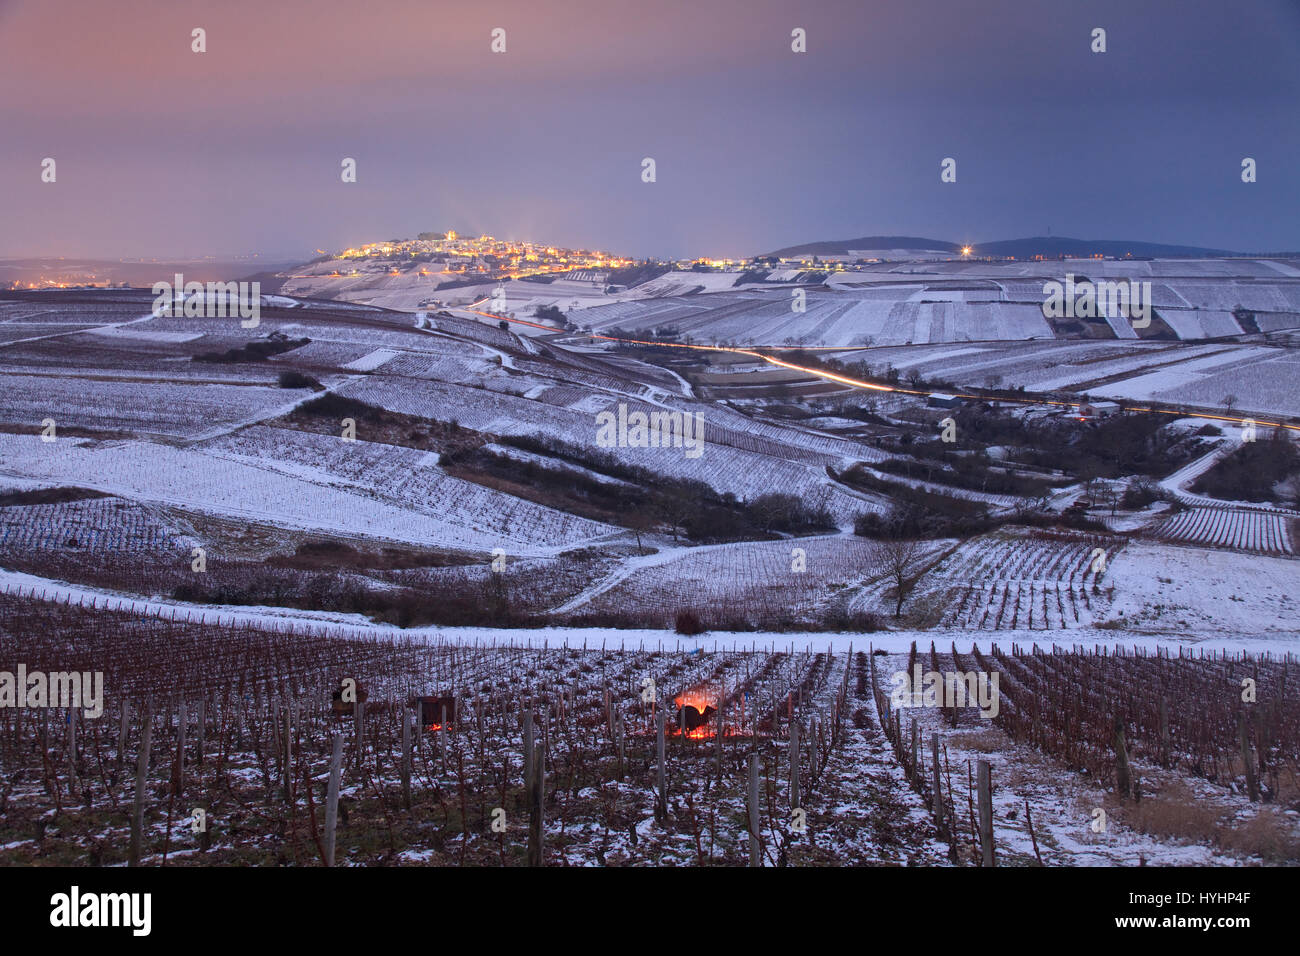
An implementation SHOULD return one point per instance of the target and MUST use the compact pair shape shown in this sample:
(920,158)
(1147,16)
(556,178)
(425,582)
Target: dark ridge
(1019,248)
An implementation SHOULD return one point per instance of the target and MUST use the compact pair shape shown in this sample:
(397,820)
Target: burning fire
(699,698)
(702,701)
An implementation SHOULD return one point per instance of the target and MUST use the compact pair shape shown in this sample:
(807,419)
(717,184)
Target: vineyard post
(915,769)
(622,741)
(722,711)
(202,715)
(277,734)
(755,847)
(287,773)
(1029,822)
(18,726)
(442,739)
(72,753)
(406,760)
(985,785)
(240,698)
(122,729)
(1252,783)
(816,744)
(141,772)
(358,726)
(938,790)
(528,749)
(794,764)
(536,802)
(661,777)
(332,798)
(1164,732)
(182,731)
(1122,777)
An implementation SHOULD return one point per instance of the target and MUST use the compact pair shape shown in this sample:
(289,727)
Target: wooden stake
(937,795)
(141,774)
(916,740)
(719,731)
(622,741)
(536,807)
(358,726)
(1252,784)
(1122,776)
(123,727)
(406,760)
(985,784)
(202,715)
(661,777)
(794,764)
(442,739)
(529,753)
(287,774)
(332,799)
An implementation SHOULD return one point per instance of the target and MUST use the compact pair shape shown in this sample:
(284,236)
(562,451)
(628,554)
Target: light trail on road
(858,383)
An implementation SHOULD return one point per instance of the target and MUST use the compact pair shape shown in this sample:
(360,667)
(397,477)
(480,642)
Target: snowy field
(328,558)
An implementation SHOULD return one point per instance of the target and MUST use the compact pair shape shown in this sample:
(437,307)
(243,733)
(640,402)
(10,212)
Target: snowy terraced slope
(1264,385)
(103,526)
(1014,580)
(739,471)
(1238,360)
(158,408)
(1264,379)
(748,579)
(916,303)
(408,479)
(1186,590)
(248,489)
(889,316)
(324,354)
(1102,363)
(1232,528)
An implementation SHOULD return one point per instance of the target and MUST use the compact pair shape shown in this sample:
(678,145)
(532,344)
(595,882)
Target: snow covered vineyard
(266,539)
(1229,528)
(644,753)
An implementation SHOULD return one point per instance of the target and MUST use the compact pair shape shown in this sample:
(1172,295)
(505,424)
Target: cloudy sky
(164,152)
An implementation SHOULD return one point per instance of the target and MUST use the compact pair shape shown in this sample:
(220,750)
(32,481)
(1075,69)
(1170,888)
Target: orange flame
(699,698)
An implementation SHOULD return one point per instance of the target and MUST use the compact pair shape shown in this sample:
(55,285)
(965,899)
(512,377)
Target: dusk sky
(164,152)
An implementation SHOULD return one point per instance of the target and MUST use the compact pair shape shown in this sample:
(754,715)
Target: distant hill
(1063,246)
(841,247)
(1019,248)
(46,271)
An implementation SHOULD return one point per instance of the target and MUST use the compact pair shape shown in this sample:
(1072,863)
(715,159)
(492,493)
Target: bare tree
(1288,489)
(639,521)
(899,555)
